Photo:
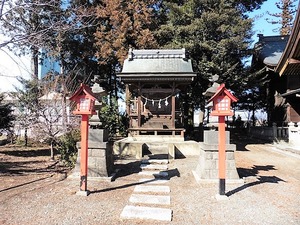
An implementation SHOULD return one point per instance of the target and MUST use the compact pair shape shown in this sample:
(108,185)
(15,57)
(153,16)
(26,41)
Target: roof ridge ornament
(130,54)
(156,53)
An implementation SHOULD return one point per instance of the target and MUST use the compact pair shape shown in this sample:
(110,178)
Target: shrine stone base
(100,157)
(207,170)
(137,147)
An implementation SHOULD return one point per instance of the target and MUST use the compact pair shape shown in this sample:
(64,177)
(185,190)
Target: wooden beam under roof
(291,54)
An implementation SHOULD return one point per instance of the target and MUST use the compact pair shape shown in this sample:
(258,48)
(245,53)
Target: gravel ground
(34,190)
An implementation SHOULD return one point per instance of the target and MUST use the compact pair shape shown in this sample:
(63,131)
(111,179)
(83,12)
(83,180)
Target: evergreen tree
(284,17)
(27,104)
(252,99)
(124,24)
(216,33)
(6,116)
(75,46)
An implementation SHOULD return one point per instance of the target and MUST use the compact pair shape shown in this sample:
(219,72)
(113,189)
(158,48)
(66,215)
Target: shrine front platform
(139,146)
(156,131)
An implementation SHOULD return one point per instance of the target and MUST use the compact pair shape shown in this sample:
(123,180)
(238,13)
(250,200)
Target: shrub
(66,146)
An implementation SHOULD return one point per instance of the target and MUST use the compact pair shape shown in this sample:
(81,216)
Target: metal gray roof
(271,49)
(157,61)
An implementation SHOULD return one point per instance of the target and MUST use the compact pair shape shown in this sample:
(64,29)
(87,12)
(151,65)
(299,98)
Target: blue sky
(261,26)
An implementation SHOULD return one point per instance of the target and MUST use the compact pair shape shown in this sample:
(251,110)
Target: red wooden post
(221,107)
(222,155)
(85,101)
(84,152)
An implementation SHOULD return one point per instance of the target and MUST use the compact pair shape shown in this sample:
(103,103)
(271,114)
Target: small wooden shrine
(154,81)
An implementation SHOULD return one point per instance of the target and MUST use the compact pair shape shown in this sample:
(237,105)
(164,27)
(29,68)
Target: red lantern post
(222,107)
(85,101)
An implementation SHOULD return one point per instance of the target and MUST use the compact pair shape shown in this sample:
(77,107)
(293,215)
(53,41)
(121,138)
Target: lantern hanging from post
(222,100)
(85,102)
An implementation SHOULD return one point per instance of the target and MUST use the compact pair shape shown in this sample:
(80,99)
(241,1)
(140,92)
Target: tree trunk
(64,104)
(25,137)
(253,115)
(51,151)
(35,64)
(64,88)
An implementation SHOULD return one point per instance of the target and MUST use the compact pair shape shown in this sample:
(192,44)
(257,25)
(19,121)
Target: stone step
(159,145)
(153,181)
(159,151)
(141,212)
(155,161)
(160,155)
(150,199)
(152,188)
(154,173)
(153,167)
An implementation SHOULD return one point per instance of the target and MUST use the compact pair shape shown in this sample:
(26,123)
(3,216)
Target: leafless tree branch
(78,18)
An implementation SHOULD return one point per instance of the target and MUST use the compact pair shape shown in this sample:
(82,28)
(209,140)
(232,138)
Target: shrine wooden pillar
(127,97)
(127,102)
(139,106)
(173,106)
(173,111)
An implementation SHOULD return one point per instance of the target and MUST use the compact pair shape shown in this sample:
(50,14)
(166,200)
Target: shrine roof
(289,63)
(270,49)
(157,61)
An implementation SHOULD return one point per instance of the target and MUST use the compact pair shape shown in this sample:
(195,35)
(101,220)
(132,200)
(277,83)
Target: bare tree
(50,123)
(41,28)
(34,22)
(285,17)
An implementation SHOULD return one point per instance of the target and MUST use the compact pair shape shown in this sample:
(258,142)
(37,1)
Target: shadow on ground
(246,172)
(24,184)
(126,169)
(172,173)
(25,168)
(253,172)
(21,161)
(260,180)
(240,138)
(27,152)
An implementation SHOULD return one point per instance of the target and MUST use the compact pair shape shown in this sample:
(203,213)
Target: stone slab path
(153,181)
(155,189)
(154,173)
(142,212)
(154,167)
(151,200)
